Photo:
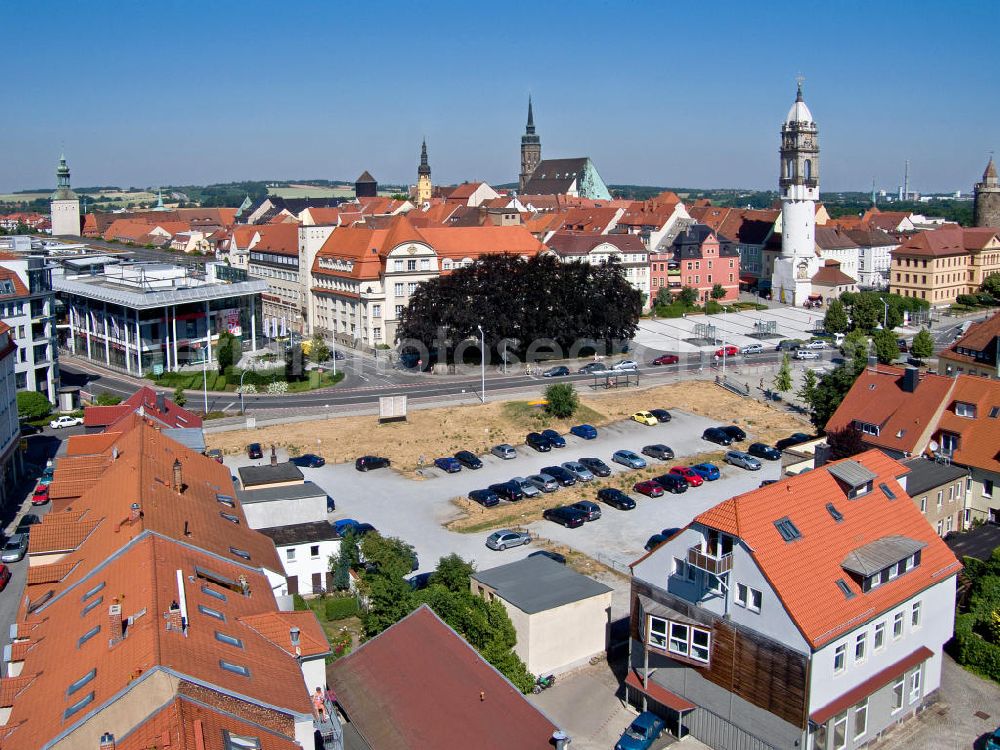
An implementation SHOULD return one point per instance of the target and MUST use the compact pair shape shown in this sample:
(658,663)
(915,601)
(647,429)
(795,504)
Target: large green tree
(318,349)
(561,400)
(783,380)
(32,405)
(886,346)
(227,351)
(991,285)
(835,320)
(834,385)
(866,313)
(687,296)
(807,391)
(922,345)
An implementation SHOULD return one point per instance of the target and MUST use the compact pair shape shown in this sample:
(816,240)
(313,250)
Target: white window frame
(841,722)
(840,655)
(689,641)
(756,600)
(915,685)
(860,647)
(742,595)
(878,640)
(654,636)
(898,693)
(897,626)
(861,710)
(916,611)
(680,567)
(290,554)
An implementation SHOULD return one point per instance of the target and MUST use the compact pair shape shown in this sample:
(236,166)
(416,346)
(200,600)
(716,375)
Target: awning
(869,686)
(659,693)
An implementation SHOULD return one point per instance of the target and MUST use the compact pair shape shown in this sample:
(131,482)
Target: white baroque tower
(791,281)
(65,211)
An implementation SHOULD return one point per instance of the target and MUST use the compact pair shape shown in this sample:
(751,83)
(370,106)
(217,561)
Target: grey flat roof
(880,554)
(298,533)
(266,474)
(925,474)
(98,289)
(288,492)
(191,437)
(852,473)
(536,584)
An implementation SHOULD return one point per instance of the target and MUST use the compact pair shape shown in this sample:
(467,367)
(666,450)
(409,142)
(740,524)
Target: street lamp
(242,375)
(482,363)
(885,315)
(204,376)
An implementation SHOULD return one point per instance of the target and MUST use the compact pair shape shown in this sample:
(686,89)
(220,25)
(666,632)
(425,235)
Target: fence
(615,565)
(719,733)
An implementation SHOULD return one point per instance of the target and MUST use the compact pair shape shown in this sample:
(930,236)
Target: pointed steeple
(530,128)
(63,191)
(425,167)
(990,173)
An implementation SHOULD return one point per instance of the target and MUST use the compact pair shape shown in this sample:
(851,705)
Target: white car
(65,421)
(625,364)
(752,349)
(806,354)
(817,344)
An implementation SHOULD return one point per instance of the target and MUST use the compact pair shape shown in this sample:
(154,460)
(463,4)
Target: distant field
(311,191)
(23,197)
(114,196)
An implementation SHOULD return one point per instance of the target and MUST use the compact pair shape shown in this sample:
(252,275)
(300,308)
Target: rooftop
(299,491)
(251,476)
(300,533)
(536,584)
(925,474)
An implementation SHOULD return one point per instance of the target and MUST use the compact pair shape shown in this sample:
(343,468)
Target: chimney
(107,741)
(115,630)
(821,455)
(274,456)
(178,475)
(294,633)
(175,618)
(187,529)
(911,379)
(161,403)
(560,739)
(135,512)
(872,362)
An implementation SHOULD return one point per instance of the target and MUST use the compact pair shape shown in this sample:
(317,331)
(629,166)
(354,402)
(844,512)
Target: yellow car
(644,417)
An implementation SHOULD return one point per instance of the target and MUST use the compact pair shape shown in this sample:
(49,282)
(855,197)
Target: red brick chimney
(174,619)
(178,476)
(107,741)
(135,512)
(116,631)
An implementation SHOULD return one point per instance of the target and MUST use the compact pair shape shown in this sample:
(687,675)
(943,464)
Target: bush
(969,300)
(106,399)
(339,608)
(975,651)
(299,603)
(32,405)
(562,400)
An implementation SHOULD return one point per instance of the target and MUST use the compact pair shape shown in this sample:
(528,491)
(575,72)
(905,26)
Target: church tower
(424,187)
(65,213)
(791,281)
(987,211)
(531,150)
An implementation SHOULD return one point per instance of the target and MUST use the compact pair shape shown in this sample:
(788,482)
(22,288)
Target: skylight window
(81,682)
(90,606)
(789,532)
(234,668)
(230,639)
(230,517)
(226,500)
(240,742)
(240,552)
(213,593)
(836,514)
(994,412)
(88,635)
(211,612)
(82,703)
(844,588)
(888,493)
(93,591)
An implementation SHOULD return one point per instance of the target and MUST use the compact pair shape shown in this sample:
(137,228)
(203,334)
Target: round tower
(987,204)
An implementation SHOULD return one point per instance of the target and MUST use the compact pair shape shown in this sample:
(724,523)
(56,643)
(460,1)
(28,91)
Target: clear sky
(657,93)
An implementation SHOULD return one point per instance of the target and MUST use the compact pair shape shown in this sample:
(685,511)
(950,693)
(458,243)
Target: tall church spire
(424,187)
(531,149)
(530,128)
(424,167)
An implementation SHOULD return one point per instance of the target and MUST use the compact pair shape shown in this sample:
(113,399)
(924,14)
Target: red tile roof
(658,693)
(979,436)
(947,241)
(20,290)
(979,335)
(576,243)
(830,274)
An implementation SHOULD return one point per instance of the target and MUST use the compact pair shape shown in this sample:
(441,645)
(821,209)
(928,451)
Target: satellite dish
(933,446)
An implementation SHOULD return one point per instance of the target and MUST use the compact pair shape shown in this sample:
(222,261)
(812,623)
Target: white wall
(304,564)
(285,512)
(566,636)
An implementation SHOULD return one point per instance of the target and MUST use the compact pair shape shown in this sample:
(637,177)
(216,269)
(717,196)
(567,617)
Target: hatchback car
(566,516)
(504,450)
(708,472)
(616,498)
(539,443)
(625,364)
(727,351)
(309,460)
(15,548)
(41,495)
(649,488)
(504,538)
(592,510)
(716,435)
(662,415)
(486,498)
(448,464)
(592,367)
(529,489)
(469,460)
(641,733)
(752,349)
(629,459)
(581,472)
(806,354)
(644,417)
(366,463)
(734,432)
(666,359)
(49,472)
(794,439)
(762,450)
(688,474)
(254,451)
(544,482)
(658,450)
(673,483)
(65,421)
(563,477)
(4,576)
(510,491)
(585,431)
(557,440)
(597,467)
(556,372)
(743,460)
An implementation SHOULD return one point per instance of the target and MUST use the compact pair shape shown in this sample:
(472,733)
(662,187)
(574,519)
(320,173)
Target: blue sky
(189,93)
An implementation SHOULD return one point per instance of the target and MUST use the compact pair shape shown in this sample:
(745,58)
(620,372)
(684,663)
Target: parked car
(215,454)
(65,421)
(597,467)
(469,460)
(629,459)
(557,440)
(566,516)
(662,415)
(762,450)
(420,581)
(767,482)
(581,472)
(29,429)
(554,556)
(544,482)
(539,443)
(556,372)
(309,461)
(814,344)
(688,474)
(673,483)
(708,472)
(743,460)
(644,417)
(486,498)
(504,450)
(585,431)
(592,367)
(786,345)
(727,351)
(735,433)
(448,464)
(641,733)
(344,525)
(529,489)
(806,354)
(625,364)
(794,439)
(510,491)
(41,495)
(751,349)
(255,451)
(4,576)
(504,538)
(591,510)
(615,498)
(330,504)
(658,450)
(563,477)
(367,463)
(15,548)
(993,741)
(366,528)
(666,359)
(49,472)
(649,488)
(716,435)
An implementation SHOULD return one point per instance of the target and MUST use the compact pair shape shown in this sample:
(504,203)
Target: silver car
(629,458)
(527,487)
(743,460)
(806,354)
(501,540)
(15,548)
(543,482)
(625,364)
(752,349)
(504,450)
(578,470)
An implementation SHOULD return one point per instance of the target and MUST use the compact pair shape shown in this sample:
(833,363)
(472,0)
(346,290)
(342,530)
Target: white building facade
(27,305)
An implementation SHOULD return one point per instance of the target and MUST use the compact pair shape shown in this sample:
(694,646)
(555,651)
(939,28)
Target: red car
(4,576)
(689,476)
(728,351)
(666,359)
(649,488)
(41,495)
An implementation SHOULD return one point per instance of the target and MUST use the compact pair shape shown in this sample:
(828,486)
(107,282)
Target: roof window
(963,409)
(216,578)
(234,668)
(230,639)
(888,493)
(240,552)
(88,635)
(230,517)
(240,742)
(844,588)
(226,500)
(93,591)
(89,607)
(213,593)
(788,530)
(211,612)
(836,514)
(74,686)
(994,412)
(82,703)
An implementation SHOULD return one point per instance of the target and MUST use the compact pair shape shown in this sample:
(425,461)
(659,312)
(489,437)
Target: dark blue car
(585,431)
(555,439)
(309,461)
(708,472)
(563,477)
(486,498)
(449,464)
(641,733)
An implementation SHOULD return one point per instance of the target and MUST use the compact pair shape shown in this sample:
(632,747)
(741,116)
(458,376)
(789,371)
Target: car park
(716,435)
(504,450)
(529,489)
(539,443)
(254,451)
(65,421)
(708,472)
(735,433)
(615,498)
(555,439)
(585,431)
(556,372)
(762,450)
(448,464)
(563,477)
(14,548)
(649,488)
(592,367)
(644,730)
(751,349)
(504,538)
(666,359)
(469,460)
(743,460)
(486,498)
(566,516)
(662,415)
(625,364)
(592,511)
(554,556)
(629,459)
(727,351)
(644,417)
(544,482)
(688,474)
(367,463)
(795,438)
(673,483)
(41,495)
(596,466)
(806,354)
(658,450)
(509,491)
(581,472)
(309,461)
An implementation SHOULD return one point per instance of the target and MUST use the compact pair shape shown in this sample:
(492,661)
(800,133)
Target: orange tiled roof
(946,241)
(276,627)
(979,441)
(979,335)
(20,290)
(282,239)
(830,274)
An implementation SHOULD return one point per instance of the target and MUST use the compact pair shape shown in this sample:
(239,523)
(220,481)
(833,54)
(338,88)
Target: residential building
(274,257)
(418,685)
(987,198)
(940,264)
(11,459)
(27,305)
(626,250)
(305,549)
(874,256)
(175,422)
(546,600)
(938,490)
(65,205)
(706,259)
(976,352)
(656,221)
(809,613)
(144,316)
(829,282)
(836,244)
(750,229)
(290,503)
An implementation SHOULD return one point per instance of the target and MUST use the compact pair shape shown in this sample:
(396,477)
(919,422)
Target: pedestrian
(762,383)
(747,387)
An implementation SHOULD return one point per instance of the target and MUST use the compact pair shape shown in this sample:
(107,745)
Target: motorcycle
(543,682)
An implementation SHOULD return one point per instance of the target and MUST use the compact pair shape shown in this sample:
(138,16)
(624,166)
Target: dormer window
(881,561)
(963,409)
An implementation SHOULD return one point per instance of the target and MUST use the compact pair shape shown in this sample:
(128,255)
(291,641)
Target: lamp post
(482,363)
(885,315)
(242,375)
(204,377)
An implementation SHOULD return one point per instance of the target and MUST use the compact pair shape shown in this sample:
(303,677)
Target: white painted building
(27,305)
(11,465)
(627,250)
(874,256)
(304,549)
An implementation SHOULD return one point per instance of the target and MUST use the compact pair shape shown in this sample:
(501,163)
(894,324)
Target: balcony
(710,563)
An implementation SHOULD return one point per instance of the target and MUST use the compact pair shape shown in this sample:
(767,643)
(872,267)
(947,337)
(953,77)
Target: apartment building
(11,465)
(939,264)
(705,259)
(274,258)
(27,305)
(626,250)
(977,352)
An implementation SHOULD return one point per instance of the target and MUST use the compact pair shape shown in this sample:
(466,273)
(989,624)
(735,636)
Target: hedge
(974,650)
(299,603)
(338,608)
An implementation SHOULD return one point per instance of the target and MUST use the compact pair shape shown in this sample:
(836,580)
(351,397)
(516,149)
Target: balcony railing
(710,563)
